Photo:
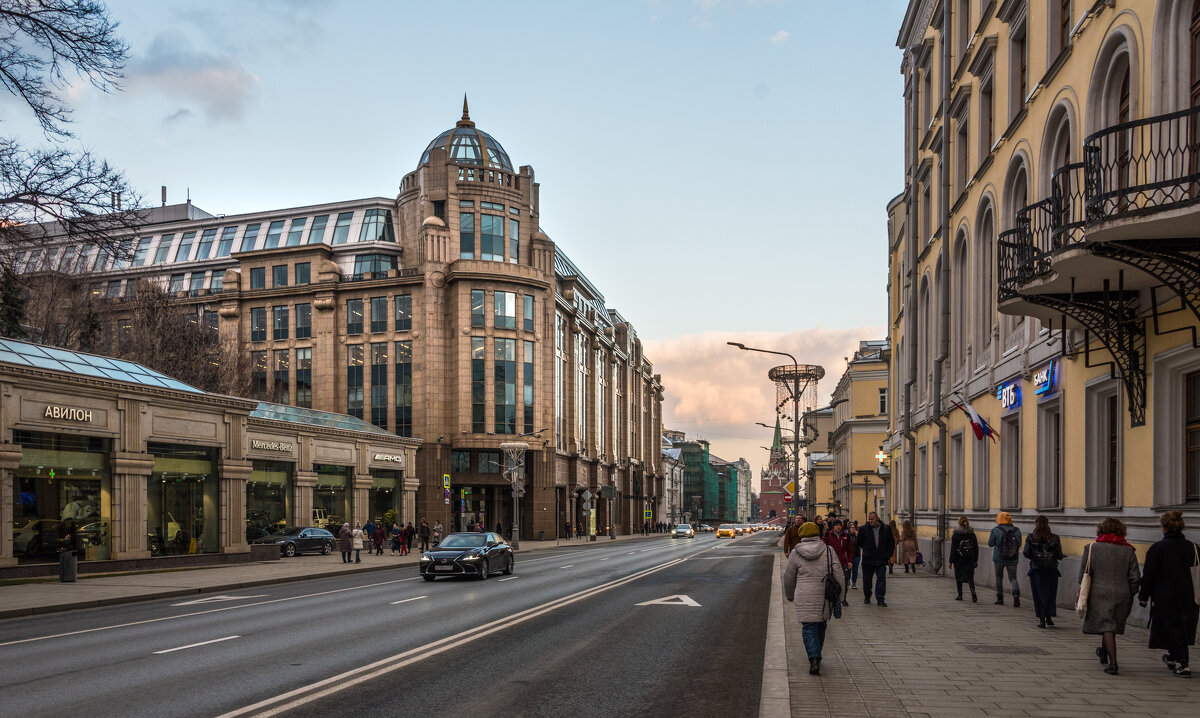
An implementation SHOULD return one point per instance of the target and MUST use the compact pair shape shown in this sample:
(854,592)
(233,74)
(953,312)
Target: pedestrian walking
(877,546)
(855,555)
(424,532)
(345,542)
(1168,584)
(1113,567)
(1005,540)
(568,528)
(908,547)
(395,539)
(410,534)
(369,530)
(403,538)
(356,541)
(804,584)
(895,544)
(964,557)
(791,537)
(835,538)
(1044,551)
(377,538)
(437,532)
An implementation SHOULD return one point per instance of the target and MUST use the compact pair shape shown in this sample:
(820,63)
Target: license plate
(443,568)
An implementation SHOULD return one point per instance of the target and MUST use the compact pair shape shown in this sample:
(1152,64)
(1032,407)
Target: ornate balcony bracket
(1174,262)
(1112,317)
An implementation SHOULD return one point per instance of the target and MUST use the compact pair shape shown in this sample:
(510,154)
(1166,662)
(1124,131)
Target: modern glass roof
(312,417)
(468,145)
(72,362)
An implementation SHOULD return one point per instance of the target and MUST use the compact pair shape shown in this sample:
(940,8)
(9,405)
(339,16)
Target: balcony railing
(1068,195)
(1144,165)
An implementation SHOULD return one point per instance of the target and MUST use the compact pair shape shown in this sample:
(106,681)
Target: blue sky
(719,168)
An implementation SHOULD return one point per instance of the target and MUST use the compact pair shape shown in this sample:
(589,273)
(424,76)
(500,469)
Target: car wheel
(427,577)
(326,548)
(289,550)
(483,570)
(509,568)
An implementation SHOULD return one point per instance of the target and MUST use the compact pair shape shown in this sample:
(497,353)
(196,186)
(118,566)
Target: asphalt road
(597,629)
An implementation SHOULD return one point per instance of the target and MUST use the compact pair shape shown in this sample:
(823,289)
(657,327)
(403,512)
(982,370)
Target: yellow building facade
(860,418)
(1043,268)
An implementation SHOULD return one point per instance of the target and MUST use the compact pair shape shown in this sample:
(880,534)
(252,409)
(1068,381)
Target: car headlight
(426,558)
(472,557)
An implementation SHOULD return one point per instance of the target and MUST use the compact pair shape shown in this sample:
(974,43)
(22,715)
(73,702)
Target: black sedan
(300,540)
(468,554)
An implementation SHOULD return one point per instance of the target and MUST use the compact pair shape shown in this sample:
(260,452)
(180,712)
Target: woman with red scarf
(1113,566)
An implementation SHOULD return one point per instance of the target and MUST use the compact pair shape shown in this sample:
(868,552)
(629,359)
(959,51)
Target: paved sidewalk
(927,655)
(47,596)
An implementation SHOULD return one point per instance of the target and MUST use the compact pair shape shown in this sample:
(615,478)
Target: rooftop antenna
(164,195)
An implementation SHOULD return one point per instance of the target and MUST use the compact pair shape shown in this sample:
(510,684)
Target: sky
(718,168)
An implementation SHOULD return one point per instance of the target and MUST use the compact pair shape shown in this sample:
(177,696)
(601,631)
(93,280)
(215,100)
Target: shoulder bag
(1085,585)
(833,592)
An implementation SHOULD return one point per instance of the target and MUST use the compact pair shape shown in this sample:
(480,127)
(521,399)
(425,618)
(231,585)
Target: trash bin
(68,566)
(541,535)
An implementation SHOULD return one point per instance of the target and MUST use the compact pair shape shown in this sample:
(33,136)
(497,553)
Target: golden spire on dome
(466,118)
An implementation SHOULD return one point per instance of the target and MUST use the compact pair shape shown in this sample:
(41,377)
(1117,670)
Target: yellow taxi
(726,531)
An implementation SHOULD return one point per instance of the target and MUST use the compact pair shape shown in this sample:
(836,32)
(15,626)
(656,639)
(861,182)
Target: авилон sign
(67,413)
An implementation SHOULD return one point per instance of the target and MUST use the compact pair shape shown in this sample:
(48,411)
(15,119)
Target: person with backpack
(1005,541)
(815,583)
(964,557)
(1044,551)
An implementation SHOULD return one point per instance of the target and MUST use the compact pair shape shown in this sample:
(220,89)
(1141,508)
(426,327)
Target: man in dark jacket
(876,545)
(424,533)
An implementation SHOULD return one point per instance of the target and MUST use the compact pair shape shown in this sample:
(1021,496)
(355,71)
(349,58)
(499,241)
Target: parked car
(683,531)
(468,554)
(299,540)
(38,536)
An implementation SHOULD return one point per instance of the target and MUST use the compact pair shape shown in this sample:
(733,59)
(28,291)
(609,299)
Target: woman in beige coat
(804,584)
(908,547)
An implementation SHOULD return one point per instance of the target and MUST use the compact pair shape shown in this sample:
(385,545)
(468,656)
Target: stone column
(10,459)
(130,474)
(232,512)
(303,484)
(360,503)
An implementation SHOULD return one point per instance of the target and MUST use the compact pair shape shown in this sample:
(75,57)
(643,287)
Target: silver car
(683,531)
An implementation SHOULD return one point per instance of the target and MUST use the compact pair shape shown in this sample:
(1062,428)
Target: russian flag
(978,425)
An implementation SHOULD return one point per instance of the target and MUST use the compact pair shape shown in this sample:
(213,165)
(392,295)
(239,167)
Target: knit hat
(809,529)
(1004,518)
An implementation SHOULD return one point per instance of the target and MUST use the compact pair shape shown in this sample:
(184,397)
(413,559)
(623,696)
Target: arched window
(924,339)
(960,305)
(1175,67)
(1016,197)
(985,277)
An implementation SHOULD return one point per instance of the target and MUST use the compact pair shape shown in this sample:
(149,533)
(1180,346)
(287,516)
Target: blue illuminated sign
(1009,394)
(1045,380)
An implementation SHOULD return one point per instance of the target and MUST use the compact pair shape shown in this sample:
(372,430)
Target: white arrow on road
(217,599)
(677,600)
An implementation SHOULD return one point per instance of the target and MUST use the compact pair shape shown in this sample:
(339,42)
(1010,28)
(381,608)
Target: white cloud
(217,83)
(780,37)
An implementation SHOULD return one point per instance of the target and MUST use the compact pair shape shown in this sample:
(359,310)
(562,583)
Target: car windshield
(726,527)
(463,541)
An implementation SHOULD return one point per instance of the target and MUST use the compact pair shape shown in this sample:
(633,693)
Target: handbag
(1139,616)
(1085,585)
(833,592)
(920,559)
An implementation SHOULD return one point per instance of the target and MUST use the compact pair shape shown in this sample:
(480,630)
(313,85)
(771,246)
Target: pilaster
(302,488)
(234,475)
(130,473)
(10,459)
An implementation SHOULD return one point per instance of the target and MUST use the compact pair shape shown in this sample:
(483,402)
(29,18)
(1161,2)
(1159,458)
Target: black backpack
(967,546)
(1043,556)
(1010,545)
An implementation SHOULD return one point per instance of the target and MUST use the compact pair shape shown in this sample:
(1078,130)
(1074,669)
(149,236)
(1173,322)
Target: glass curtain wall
(332,496)
(384,495)
(181,500)
(62,494)
(268,498)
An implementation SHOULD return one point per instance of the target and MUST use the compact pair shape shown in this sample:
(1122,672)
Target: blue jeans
(854,569)
(814,638)
(877,575)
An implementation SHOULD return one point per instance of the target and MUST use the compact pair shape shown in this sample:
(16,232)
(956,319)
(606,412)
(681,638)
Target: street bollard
(68,567)
(541,535)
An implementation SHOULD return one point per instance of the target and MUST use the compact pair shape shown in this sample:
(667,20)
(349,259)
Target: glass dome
(469,145)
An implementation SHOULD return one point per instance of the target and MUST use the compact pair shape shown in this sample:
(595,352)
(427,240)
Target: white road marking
(567,566)
(605,559)
(510,578)
(315,691)
(216,599)
(676,600)
(406,600)
(194,645)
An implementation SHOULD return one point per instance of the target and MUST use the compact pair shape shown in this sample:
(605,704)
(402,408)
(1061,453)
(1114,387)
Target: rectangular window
(504,380)
(184,251)
(258,324)
(987,119)
(491,238)
(504,309)
(962,173)
(279,323)
(980,475)
(460,462)
(514,241)
(403,312)
(477,307)
(296,231)
(341,230)
(197,283)
(489,462)
(258,375)
(206,242)
(211,320)
(492,206)
(302,273)
(1018,71)
(303,321)
(317,234)
(216,285)
(378,314)
(527,312)
(923,477)
(274,232)
(404,404)
(378,264)
(304,378)
(957,480)
(377,226)
(354,380)
(883,408)
(139,257)
(1010,462)
(466,203)
(225,246)
(1191,489)
(258,277)
(250,238)
(279,275)
(354,316)
(527,370)
(160,255)
(1050,456)
(176,284)
(466,235)
(113,290)
(280,386)
(478,385)
(379,389)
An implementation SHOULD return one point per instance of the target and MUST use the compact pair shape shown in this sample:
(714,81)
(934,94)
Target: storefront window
(182,499)
(385,493)
(62,497)
(331,496)
(268,498)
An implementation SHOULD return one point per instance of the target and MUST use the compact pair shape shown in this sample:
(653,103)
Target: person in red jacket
(835,538)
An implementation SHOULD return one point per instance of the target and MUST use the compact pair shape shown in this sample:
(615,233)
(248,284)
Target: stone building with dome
(443,313)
